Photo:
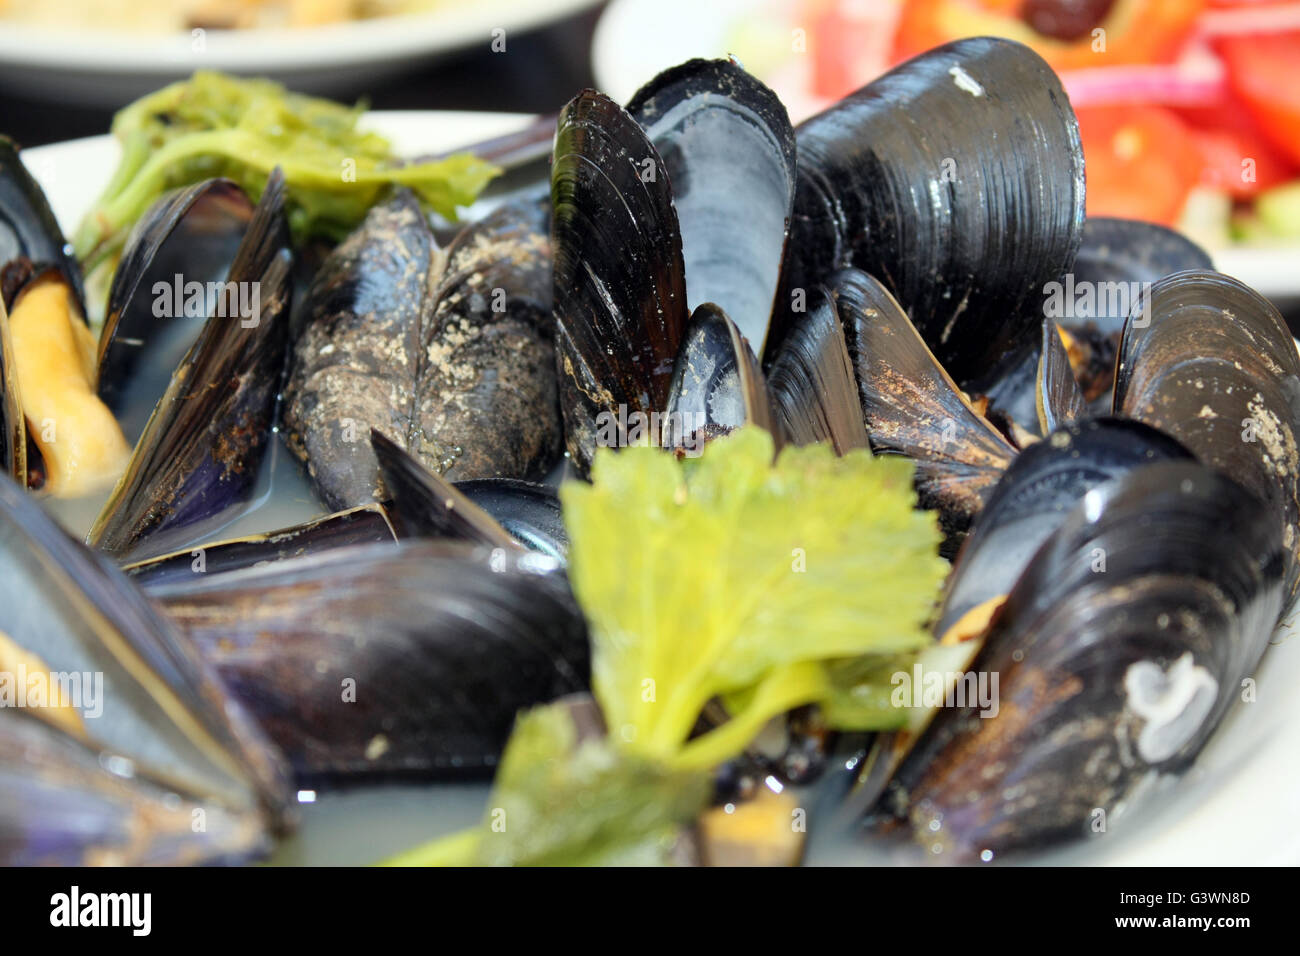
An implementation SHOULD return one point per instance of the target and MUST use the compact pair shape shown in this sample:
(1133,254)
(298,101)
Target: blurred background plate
(109,68)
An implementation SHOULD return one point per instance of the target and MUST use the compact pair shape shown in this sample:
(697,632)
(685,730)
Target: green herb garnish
(768,586)
(218,125)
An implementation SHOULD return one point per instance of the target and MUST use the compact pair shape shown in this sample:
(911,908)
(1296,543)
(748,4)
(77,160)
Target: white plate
(635,39)
(1236,806)
(110,69)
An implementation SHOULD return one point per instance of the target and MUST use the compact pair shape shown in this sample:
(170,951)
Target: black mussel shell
(729,150)
(425,506)
(1117,653)
(365,524)
(913,408)
(163,289)
(1210,361)
(455,366)
(956,179)
(1117,260)
(530,512)
(620,295)
(717,384)
(144,723)
(378,661)
(1058,398)
(497,512)
(813,388)
(28,230)
(199,456)
(1034,497)
(1124,251)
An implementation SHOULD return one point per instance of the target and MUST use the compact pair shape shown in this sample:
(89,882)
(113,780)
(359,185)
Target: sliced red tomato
(1141,162)
(1262,71)
(1239,158)
(1136,31)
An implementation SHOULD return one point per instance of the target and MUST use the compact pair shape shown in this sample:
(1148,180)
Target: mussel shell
(497,512)
(28,229)
(1128,251)
(729,150)
(1058,398)
(1209,361)
(1034,497)
(620,294)
(529,512)
(813,388)
(957,180)
(913,408)
(448,355)
(717,384)
(1116,256)
(60,806)
(199,456)
(375,661)
(189,235)
(163,720)
(1104,676)
(365,524)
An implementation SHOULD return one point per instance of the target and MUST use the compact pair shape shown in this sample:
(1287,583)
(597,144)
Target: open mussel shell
(1058,399)
(1210,361)
(199,456)
(717,385)
(812,384)
(620,295)
(448,354)
(1116,655)
(366,524)
(729,150)
(163,289)
(140,721)
(29,233)
(377,661)
(913,408)
(957,180)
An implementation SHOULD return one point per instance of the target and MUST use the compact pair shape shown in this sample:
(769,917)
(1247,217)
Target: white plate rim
(281,50)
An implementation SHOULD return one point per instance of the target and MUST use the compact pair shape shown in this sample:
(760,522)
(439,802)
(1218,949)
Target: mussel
(166,284)
(679,203)
(1117,653)
(365,524)
(956,179)
(1210,361)
(497,512)
(133,753)
(199,456)
(376,660)
(1117,260)
(913,408)
(58,435)
(449,353)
